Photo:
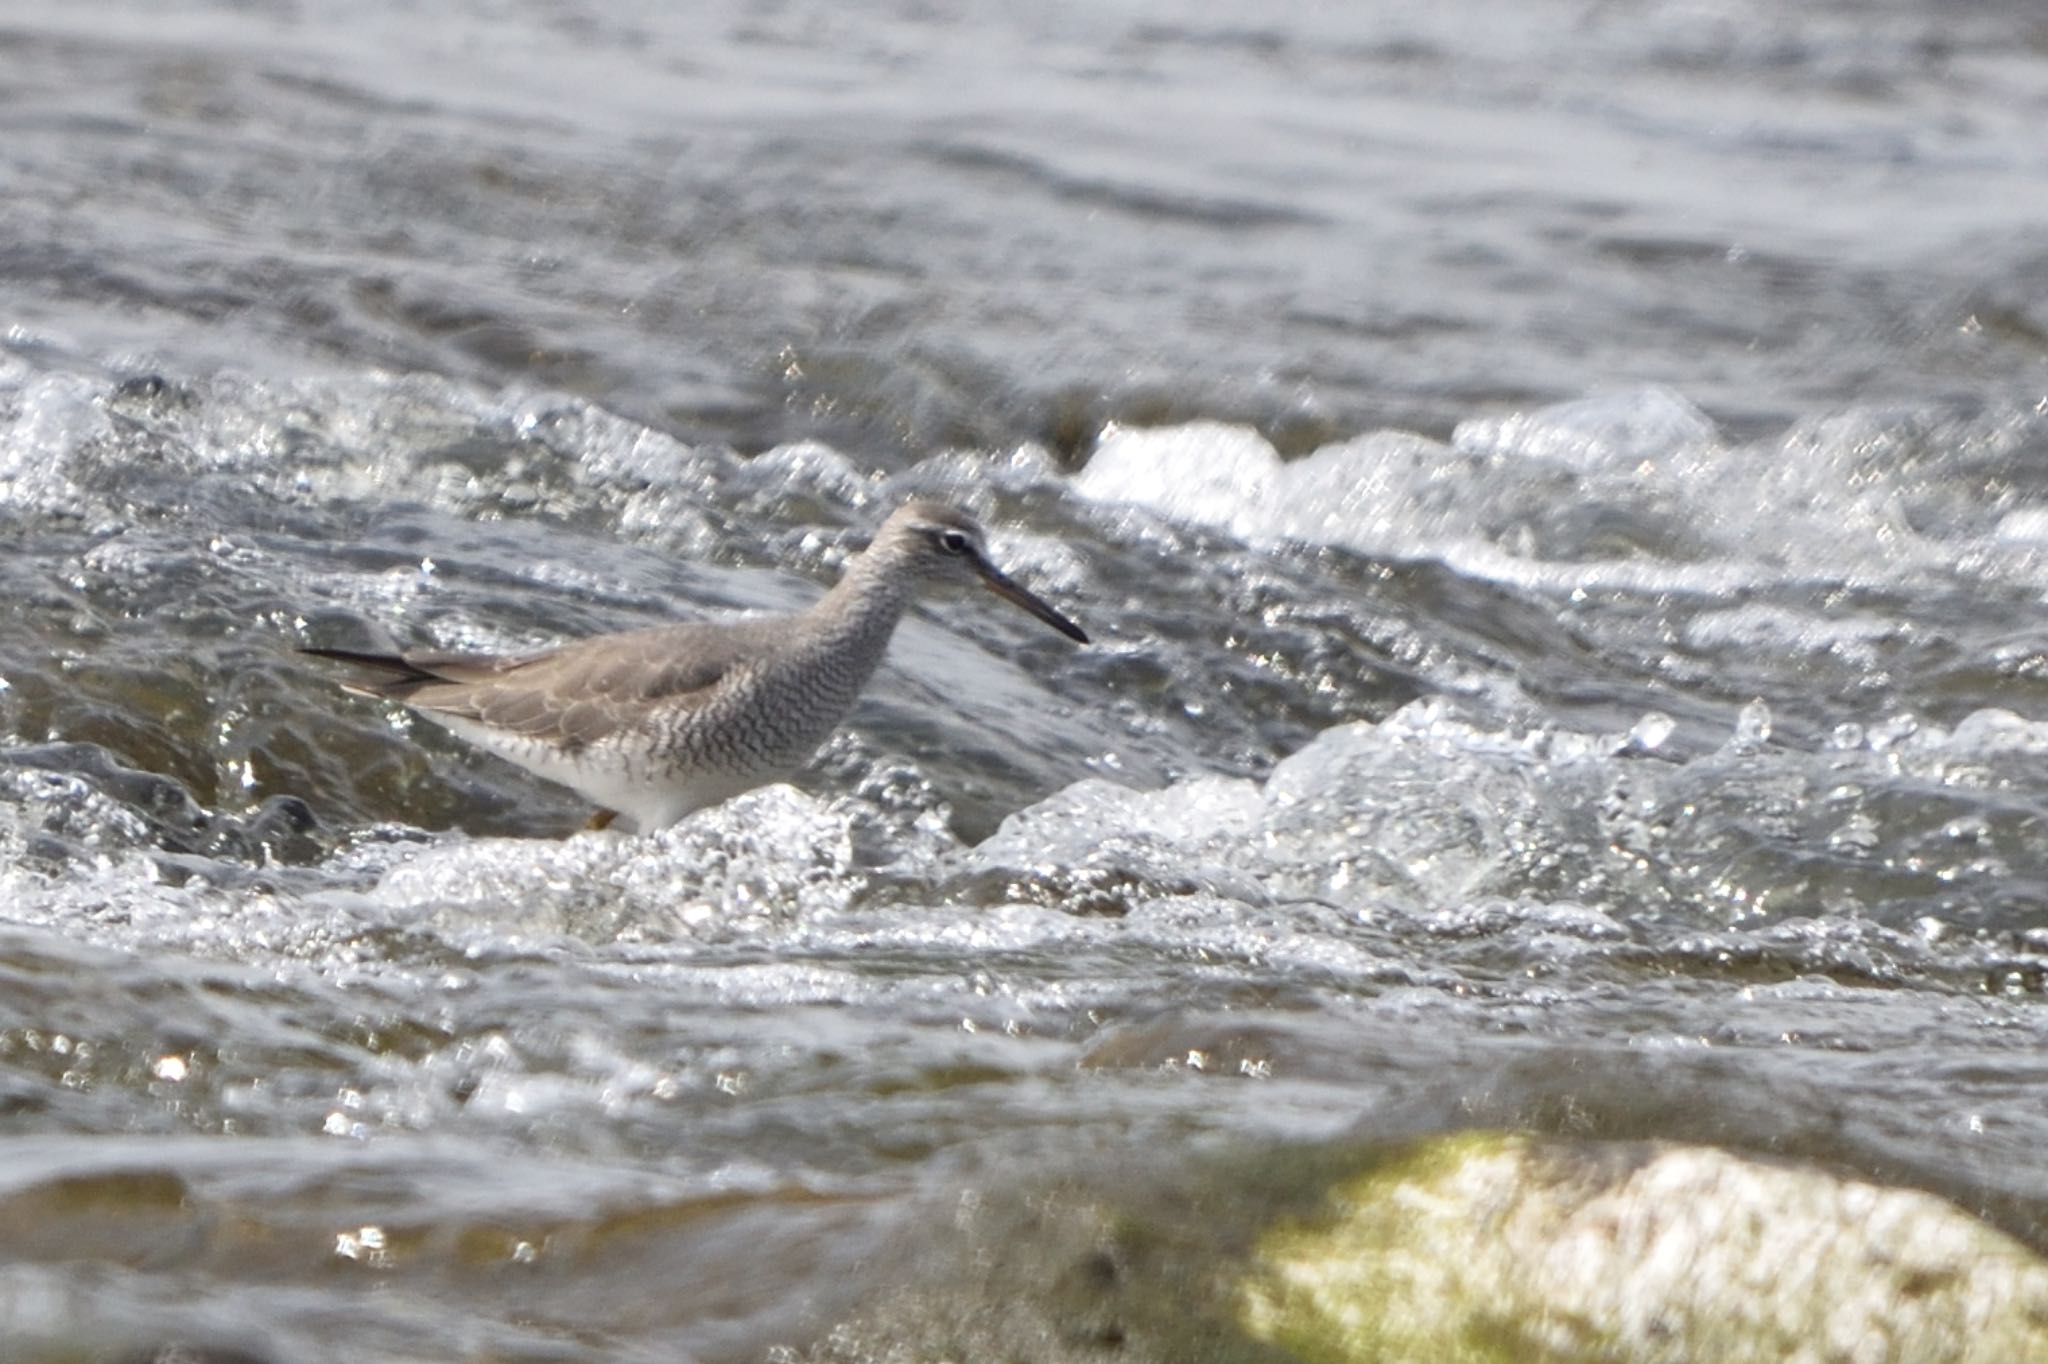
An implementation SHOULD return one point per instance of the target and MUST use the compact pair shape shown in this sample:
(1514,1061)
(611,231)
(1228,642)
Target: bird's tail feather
(394,678)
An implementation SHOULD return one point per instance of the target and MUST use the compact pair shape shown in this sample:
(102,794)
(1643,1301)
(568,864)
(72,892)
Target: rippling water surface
(1559,498)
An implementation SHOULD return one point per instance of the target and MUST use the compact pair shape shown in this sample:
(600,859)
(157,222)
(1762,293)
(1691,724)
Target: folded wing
(567,697)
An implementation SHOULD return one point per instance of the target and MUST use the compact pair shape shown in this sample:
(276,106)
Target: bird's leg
(602,819)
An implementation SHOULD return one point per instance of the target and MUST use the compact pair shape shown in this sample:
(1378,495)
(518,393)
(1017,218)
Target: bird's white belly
(647,793)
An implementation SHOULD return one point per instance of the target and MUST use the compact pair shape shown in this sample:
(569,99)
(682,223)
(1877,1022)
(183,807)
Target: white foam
(772,855)
(1626,428)
(47,425)
(1630,491)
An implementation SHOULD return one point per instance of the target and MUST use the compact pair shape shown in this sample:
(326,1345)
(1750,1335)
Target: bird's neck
(860,613)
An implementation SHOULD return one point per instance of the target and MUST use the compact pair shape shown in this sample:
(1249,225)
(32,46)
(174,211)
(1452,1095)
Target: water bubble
(1752,727)
(1650,733)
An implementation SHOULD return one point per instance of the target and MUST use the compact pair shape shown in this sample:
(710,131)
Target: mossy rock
(1486,1248)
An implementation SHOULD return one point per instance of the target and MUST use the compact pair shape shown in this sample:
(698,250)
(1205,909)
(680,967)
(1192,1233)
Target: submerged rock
(1471,1248)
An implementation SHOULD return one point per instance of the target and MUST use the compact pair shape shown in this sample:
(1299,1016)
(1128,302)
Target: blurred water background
(1560,491)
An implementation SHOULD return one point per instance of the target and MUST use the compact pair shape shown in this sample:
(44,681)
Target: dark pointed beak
(1010,590)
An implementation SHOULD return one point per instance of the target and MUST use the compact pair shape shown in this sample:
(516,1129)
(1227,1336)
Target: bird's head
(931,543)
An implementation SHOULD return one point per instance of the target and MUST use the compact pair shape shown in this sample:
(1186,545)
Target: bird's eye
(953,542)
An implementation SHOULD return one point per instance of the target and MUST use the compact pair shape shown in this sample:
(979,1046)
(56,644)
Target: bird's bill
(1010,590)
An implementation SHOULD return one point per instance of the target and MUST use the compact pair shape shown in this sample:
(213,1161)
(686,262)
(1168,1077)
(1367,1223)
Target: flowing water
(1560,492)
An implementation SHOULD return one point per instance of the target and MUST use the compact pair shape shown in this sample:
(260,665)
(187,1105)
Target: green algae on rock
(1492,1248)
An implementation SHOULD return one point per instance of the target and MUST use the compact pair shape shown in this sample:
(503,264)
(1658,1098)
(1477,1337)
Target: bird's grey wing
(581,693)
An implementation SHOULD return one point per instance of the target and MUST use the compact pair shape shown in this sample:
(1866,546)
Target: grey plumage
(653,724)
